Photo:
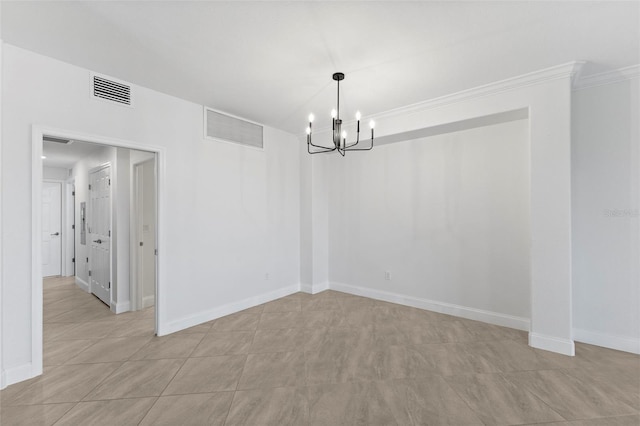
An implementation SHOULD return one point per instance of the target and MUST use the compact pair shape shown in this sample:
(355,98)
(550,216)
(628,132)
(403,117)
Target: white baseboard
(17,374)
(503,320)
(118,308)
(314,288)
(620,343)
(82,284)
(230,308)
(551,343)
(148,301)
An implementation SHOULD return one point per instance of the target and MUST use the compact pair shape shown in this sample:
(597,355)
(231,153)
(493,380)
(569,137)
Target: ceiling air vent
(46,138)
(110,90)
(232,129)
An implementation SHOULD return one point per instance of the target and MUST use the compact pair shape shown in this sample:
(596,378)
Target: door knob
(57,233)
(98,241)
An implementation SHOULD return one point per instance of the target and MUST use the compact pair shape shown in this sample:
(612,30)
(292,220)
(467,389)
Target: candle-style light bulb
(334,113)
(308,130)
(311,117)
(358,115)
(344,134)
(372,124)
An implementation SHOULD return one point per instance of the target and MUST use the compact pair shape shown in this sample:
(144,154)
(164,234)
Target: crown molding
(608,77)
(568,70)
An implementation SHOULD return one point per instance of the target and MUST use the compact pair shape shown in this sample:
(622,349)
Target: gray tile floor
(327,359)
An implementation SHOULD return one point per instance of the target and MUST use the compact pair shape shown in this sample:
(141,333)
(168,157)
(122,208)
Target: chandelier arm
(320,146)
(325,148)
(322,149)
(320,152)
(357,139)
(361,149)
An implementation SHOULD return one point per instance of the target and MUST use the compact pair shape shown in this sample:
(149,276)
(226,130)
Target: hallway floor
(327,359)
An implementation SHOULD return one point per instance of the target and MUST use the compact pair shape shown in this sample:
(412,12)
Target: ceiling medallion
(340,143)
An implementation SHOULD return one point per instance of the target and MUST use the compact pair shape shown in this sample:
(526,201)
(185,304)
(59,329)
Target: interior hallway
(327,359)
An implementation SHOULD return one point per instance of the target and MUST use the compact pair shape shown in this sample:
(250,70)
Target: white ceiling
(271,62)
(66,156)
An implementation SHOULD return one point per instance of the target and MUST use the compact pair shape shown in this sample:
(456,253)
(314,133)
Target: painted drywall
(55,173)
(446,216)
(605,174)
(231,213)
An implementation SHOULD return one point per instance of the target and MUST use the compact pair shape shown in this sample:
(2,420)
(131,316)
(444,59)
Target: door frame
(63,233)
(37,133)
(90,221)
(69,221)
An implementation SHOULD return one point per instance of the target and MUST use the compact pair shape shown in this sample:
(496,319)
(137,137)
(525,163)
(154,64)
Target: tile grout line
(463,399)
(242,372)
(184,361)
(149,410)
(504,377)
(65,413)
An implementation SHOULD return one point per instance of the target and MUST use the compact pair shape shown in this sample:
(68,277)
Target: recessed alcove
(544,98)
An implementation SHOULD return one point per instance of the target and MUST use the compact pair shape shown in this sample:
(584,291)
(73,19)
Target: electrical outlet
(266,276)
(387,276)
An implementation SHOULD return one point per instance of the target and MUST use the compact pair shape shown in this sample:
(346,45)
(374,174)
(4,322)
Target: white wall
(55,173)
(230,214)
(447,216)
(605,191)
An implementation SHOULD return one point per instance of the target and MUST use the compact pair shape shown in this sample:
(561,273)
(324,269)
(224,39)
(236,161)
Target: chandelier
(340,143)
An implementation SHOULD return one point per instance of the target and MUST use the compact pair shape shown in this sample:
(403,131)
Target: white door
(51,228)
(99,227)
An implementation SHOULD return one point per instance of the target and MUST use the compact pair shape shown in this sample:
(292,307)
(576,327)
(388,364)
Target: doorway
(78,183)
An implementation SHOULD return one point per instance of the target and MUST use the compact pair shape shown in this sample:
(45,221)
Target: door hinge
(155,252)
(73,260)
(73,193)
(89,187)
(109,285)
(109,181)
(73,227)
(87,260)
(89,273)
(109,232)
(141,244)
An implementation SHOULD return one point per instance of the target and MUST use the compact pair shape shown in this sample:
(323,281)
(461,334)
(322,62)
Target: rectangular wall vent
(110,90)
(232,129)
